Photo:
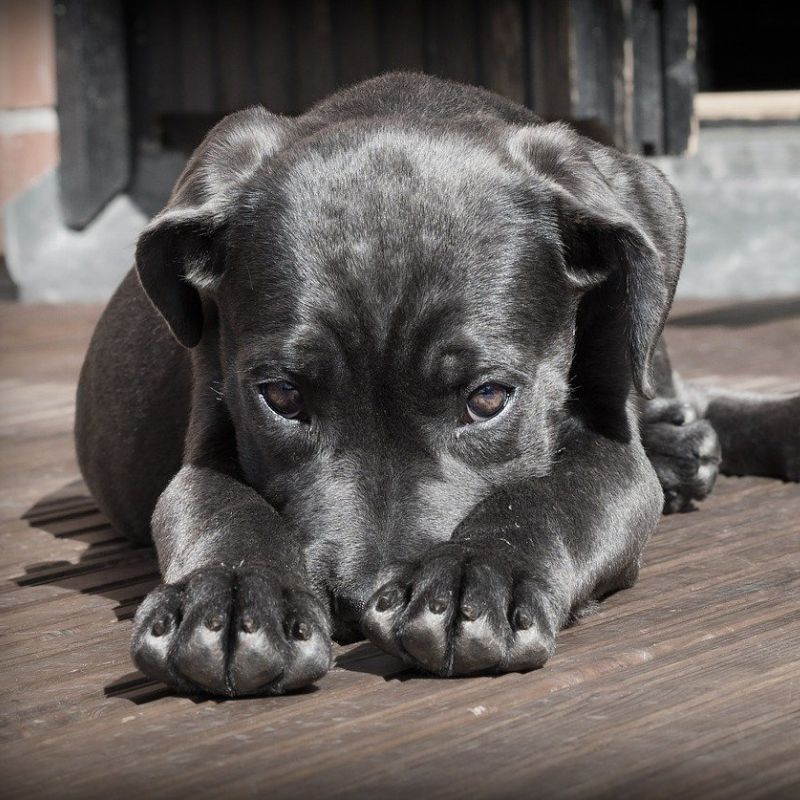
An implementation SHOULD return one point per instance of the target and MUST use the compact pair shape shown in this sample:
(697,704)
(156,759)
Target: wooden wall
(149,76)
(606,63)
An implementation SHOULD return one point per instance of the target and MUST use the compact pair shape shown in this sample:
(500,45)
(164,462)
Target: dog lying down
(393,369)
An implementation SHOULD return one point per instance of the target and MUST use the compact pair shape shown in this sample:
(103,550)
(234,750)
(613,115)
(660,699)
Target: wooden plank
(681,685)
(679,44)
(92,106)
(355,40)
(648,121)
(313,56)
(550,60)
(451,45)
(767,106)
(199,69)
(598,31)
(271,28)
(502,41)
(235,55)
(400,35)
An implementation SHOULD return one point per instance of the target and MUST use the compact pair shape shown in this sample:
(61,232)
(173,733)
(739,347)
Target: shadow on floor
(741,315)
(110,566)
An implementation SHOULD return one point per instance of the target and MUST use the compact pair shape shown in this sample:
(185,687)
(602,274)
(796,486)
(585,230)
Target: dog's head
(395,310)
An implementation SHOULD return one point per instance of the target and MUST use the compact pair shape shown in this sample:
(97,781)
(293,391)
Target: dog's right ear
(182,250)
(606,250)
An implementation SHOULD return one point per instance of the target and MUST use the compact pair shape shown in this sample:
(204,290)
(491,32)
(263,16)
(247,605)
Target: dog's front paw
(232,632)
(457,613)
(684,452)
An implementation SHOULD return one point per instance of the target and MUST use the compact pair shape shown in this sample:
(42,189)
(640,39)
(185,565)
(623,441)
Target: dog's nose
(347,613)
(349,609)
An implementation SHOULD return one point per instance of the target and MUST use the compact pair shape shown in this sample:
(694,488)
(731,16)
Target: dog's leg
(523,562)
(759,434)
(682,447)
(234,615)
(691,433)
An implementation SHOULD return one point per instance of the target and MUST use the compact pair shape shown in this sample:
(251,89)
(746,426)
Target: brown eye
(284,398)
(486,402)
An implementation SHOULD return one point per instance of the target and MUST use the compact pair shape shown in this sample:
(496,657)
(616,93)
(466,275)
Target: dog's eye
(284,398)
(485,402)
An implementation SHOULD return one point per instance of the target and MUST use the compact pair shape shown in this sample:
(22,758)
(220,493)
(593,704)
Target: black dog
(411,334)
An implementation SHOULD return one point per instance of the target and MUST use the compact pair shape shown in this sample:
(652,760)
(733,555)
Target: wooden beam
(648,95)
(679,43)
(92,106)
(502,44)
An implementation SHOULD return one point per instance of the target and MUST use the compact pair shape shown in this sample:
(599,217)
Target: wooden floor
(688,685)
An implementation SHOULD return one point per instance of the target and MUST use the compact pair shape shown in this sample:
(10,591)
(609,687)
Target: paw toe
(155,627)
(200,652)
(424,638)
(686,459)
(531,647)
(232,633)
(478,646)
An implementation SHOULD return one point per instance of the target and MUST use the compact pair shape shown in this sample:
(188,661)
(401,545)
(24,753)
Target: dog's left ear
(182,250)
(604,246)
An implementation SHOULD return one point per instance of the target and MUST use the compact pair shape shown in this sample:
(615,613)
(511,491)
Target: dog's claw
(438,605)
(301,631)
(388,600)
(522,619)
(215,623)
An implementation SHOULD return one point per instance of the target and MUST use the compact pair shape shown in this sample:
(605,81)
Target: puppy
(393,368)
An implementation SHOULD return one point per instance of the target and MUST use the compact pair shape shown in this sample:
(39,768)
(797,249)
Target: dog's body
(399,394)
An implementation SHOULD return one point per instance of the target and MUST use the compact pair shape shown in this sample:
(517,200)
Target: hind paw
(684,452)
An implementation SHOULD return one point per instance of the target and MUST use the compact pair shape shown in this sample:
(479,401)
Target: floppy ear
(182,250)
(606,246)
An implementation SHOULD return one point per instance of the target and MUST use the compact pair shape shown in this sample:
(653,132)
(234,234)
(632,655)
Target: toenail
(159,627)
(302,631)
(387,600)
(469,612)
(248,624)
(438,605)
(522,619)
(215,622)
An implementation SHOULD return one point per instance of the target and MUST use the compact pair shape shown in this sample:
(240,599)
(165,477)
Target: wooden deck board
(688,684)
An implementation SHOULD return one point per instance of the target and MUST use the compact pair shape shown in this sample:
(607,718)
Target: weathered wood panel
(451,40)
(648,91)
(92,106)
(597,63)
(400,35)
(314,69)
(679,32)
(683,686)
(503,48)
(355,34)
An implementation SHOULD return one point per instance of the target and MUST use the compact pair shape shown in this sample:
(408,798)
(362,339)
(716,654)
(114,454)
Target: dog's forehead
(391,231)
(390,198)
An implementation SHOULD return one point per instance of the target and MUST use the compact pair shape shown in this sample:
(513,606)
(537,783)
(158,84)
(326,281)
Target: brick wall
(28,121)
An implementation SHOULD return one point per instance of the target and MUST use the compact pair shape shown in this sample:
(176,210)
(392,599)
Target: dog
(394,369)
